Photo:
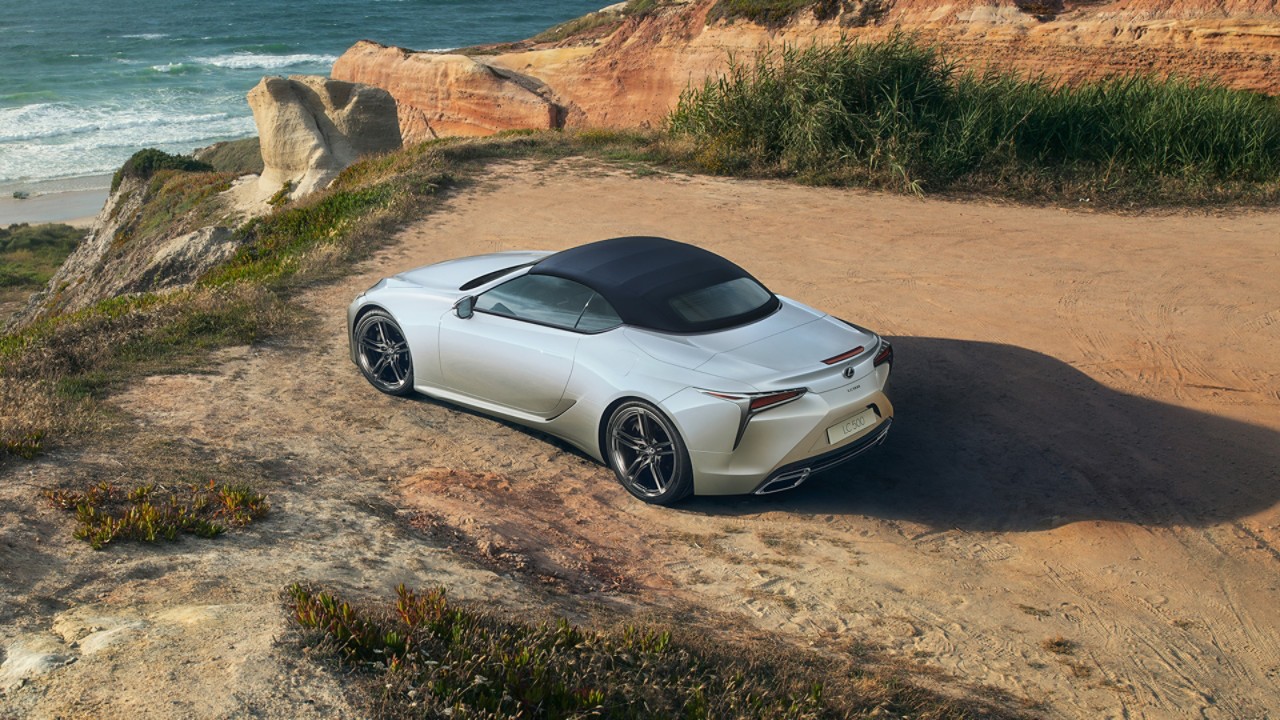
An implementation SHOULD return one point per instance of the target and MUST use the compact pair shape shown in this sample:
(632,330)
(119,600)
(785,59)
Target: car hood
(793,340)
(449,276)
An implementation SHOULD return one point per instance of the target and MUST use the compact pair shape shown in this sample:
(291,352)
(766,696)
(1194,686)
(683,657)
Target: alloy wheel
(384,354)
(643,451)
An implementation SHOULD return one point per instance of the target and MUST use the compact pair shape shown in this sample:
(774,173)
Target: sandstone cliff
(451,95)
(631,71)
(128,251)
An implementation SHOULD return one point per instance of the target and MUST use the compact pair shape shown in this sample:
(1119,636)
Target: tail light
(764,402)
(752,403)
(885,354)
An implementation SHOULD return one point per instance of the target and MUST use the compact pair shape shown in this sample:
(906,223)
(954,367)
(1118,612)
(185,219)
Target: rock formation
(631,72)
(312,127)
(451,95)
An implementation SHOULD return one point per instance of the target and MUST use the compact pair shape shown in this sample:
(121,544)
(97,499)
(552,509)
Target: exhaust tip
(785,481)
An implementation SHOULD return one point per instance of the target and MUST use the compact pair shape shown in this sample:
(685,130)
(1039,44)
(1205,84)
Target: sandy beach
(77,208)
(74,201)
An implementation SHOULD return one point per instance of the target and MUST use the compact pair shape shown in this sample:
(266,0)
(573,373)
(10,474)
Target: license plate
(851,426)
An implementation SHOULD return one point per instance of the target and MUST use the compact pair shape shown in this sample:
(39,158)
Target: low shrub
(144,163)
(151,513)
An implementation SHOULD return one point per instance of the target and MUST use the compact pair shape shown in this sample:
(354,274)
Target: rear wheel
(383,353)
(647,454)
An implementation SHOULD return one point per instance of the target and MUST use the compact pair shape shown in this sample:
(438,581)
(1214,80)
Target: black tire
(382,352)
(646,452)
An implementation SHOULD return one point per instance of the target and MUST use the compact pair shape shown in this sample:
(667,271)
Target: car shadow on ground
(996,437)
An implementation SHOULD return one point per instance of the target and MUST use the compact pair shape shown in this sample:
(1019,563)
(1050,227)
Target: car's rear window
(729,299)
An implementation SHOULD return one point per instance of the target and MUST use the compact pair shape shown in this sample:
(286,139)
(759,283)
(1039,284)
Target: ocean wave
(146,36)
(177,68)
(247,61)
(63,121)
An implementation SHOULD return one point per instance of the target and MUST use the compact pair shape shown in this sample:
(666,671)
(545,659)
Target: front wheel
(647,454)
(383,353)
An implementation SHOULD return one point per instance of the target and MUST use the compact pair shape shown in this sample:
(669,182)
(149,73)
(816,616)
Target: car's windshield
(732,298)
(491,276)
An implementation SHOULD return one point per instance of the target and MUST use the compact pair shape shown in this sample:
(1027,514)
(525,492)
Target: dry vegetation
(424,656)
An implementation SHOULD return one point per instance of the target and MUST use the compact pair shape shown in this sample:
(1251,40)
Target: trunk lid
(784,350)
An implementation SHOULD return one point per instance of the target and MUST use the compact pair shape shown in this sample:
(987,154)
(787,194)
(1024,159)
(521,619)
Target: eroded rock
(312,127)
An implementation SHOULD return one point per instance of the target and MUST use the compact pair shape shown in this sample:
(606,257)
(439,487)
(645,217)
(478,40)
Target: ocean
(85,83)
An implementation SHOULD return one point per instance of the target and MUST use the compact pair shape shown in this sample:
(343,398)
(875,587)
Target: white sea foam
(244,61)
(177,68)
(48,121)
(146,36)
(53,140)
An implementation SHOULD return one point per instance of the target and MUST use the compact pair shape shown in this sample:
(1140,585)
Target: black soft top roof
(640,275)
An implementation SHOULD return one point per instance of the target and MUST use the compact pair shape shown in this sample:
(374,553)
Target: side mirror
(465,307)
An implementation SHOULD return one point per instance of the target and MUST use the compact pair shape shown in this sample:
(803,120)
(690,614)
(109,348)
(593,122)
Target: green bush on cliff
(145,163)
(897,114)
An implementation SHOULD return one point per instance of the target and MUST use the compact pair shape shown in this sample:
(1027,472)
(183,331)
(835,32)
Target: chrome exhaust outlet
(785,481)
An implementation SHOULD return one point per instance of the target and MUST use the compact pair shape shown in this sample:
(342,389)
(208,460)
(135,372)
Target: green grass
(423,656)
(106,512)
(54,371)
(29,254)
(897,114)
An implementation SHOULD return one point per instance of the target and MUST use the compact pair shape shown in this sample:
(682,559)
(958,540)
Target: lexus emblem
(848,372)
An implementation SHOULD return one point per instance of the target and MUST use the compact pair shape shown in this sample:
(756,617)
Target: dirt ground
(1087,449)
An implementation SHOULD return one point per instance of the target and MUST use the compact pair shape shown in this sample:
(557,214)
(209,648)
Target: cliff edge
(628,68)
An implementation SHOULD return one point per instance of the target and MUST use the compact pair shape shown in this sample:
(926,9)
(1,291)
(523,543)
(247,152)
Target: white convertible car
(665,361)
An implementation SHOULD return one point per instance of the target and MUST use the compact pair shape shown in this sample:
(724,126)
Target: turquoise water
(85,83)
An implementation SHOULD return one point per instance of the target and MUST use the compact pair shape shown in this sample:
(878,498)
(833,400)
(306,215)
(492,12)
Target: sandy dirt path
(1087,449)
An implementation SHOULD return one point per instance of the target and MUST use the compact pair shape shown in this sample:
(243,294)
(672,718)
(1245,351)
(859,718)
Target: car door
(517,349)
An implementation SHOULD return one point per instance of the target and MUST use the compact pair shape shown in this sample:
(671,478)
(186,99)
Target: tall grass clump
(897,113)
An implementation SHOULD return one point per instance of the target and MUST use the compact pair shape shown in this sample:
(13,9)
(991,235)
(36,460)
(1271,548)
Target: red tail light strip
(844,356)
(763,402)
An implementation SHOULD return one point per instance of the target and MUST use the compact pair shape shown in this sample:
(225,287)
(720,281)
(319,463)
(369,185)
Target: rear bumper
(790,476)
(789,443)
